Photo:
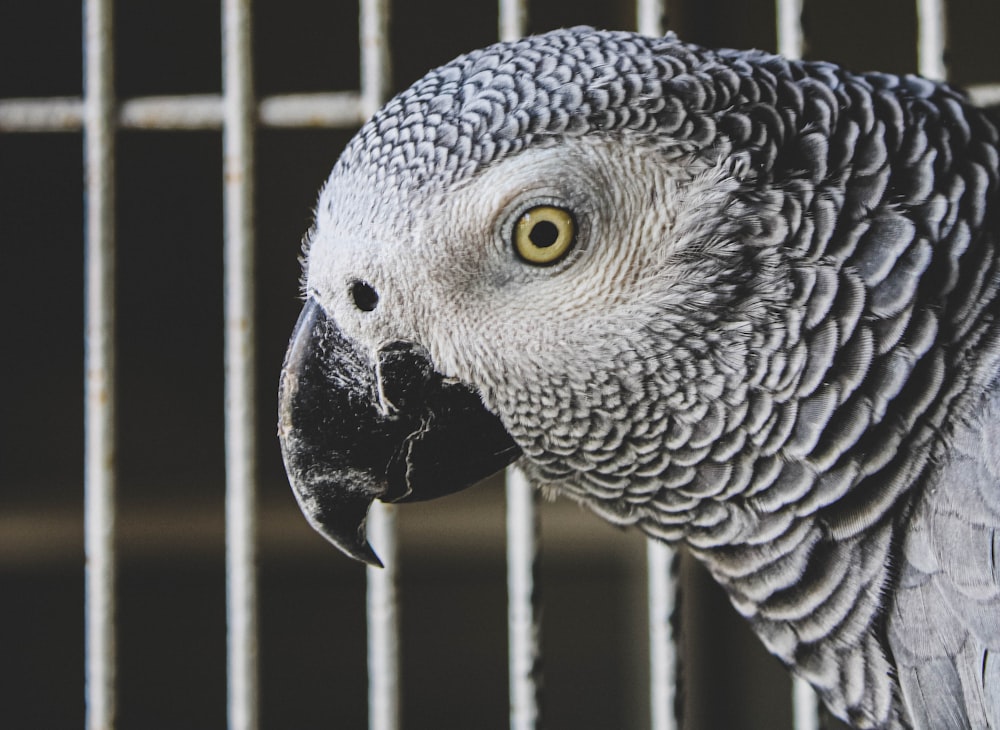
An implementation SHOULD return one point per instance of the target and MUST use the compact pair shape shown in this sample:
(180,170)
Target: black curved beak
(354,429)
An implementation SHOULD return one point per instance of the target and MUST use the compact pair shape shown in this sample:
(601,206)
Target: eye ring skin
(543,234)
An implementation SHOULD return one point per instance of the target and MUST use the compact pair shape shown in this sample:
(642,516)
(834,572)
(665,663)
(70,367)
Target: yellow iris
(544,234)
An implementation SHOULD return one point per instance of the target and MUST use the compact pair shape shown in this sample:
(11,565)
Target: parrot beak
(354,429)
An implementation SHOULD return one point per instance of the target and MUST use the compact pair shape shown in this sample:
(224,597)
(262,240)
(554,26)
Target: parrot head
(536,252)
(734,300)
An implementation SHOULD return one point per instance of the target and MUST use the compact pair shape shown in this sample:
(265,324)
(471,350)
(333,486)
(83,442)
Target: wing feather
(944,627)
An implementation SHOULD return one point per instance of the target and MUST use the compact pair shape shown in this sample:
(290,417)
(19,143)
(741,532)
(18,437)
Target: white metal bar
(984,94)
(194,112)
(662,583)
(336,109)
(240,406)
(53,114)
(376,68)
(99,358)
(513,19)
(791,44)
(805,705)
(384,706)
(791,38)
(523,618)
(663,659)
(932,31)
(649,15)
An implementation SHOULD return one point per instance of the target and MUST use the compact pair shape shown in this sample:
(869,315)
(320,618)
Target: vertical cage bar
(649,15)
(240,405)
(791,39)
(523,617)
(661,581)
(791,44)
(805,705)
(513,19)
(99,366)
(663,658)
(376,67)
(384,706)
(932,32)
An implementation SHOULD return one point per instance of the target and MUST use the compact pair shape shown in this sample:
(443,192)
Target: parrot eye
(544,234)
(364,296)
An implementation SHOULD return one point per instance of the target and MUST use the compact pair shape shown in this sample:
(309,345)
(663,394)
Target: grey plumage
(775,339)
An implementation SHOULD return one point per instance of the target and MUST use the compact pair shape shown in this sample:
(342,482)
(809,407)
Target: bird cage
(155,569)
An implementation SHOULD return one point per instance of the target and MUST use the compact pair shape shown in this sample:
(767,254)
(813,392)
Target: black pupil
(544,234)
(364,296)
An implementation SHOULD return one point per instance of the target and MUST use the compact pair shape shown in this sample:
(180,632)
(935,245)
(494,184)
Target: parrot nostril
(364,295)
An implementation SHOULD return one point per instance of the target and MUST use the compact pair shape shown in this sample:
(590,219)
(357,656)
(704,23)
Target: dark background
(171,480)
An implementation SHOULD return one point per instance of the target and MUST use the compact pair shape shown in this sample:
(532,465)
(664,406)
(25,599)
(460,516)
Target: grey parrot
(744,304)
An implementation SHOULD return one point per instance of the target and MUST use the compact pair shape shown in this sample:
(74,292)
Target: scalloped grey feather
(813,410)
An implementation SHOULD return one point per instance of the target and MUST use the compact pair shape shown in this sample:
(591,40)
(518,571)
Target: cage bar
(984,94)
(191,112)
(54,114)
(376,65)
(330,110)
(384,711)
(382,604)
(791,37)
(791,44)
(327,110)
(663,659)
(932,31)
(661,582)
(512,18)
(99,359)
(523,615)
(650,16)
(240,403)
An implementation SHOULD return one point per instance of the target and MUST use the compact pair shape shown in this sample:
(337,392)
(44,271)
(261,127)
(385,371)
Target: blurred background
(172,631)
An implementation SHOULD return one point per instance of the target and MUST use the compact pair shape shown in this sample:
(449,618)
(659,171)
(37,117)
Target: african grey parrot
(743,303)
